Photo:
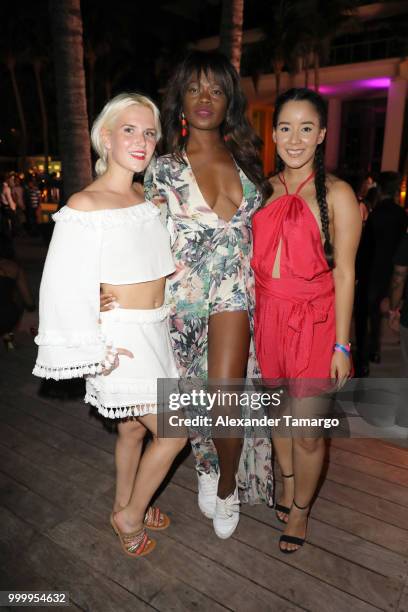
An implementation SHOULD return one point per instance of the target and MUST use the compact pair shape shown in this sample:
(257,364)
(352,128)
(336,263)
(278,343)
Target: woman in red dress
(305,241)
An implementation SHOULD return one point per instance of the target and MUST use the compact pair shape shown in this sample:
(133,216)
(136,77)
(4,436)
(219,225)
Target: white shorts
(131,389)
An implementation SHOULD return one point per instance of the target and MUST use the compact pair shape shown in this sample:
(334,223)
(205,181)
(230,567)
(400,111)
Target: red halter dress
(295,313)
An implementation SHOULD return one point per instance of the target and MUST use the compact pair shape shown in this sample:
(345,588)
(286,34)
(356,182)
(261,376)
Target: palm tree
(73,129)
(38,63)
(10,62)
(318,22)
(91,56)
(232,18)
(13,44)
(277,19)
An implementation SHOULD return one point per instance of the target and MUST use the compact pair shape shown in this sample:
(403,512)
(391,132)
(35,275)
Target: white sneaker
(207,492)
(226,515)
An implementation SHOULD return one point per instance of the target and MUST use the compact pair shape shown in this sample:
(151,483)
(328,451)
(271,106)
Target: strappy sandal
(136,544)
(155,519)
(279,507)
(292,539)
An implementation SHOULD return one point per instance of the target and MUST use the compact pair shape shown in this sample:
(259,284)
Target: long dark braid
(304,94)
(321,193)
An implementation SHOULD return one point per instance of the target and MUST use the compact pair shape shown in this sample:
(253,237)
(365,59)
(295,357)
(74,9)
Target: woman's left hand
(340,368)
(107,301)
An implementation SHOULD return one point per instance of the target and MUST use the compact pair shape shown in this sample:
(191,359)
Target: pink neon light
(378,83)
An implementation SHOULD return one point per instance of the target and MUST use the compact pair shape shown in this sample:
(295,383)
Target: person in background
(54,186)
(17,192)
(398,315)
(32,201)
(14,291)
(370,199)
(8,208)
(383,231)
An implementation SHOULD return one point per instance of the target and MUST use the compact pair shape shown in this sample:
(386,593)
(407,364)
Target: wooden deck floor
(56,489)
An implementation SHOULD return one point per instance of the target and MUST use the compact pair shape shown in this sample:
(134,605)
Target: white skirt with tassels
(131,389)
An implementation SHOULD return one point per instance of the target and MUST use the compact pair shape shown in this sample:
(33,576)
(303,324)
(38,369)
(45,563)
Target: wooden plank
(293,584)
(173,591)
(370,529)
(16,572)
(374,449)
(366,504)
(344,525)
(329,568)
(343,573)
(37,429)
(178,545)
(72,417)
(73,407)
(202,573)
(100,550)
(44,482)
(368,484)
(346,539)
(372,467)
(178,597)
(63,465)
(209,577)
(18,575)
(63,415)
(37,563)
(29,506)
(371,584)
(403,602)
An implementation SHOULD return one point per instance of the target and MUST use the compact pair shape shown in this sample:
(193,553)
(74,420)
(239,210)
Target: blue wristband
(342,348)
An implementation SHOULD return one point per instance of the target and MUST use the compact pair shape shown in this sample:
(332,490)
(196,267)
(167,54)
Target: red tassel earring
(184,129)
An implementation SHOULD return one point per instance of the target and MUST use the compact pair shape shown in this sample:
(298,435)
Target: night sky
(134,52)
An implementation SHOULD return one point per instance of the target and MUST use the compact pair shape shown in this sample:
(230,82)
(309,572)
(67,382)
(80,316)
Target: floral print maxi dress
(212,275)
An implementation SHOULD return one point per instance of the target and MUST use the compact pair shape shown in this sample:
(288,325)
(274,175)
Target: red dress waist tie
(310,306)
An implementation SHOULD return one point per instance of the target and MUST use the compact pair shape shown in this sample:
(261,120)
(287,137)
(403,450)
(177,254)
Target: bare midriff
(139,296)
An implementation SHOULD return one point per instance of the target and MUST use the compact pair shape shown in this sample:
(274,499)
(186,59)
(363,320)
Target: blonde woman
(109,239)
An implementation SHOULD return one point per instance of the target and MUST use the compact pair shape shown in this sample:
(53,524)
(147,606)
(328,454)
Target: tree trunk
(91,60)
(277,81)
(316,65)
(232,17)
(306,69)
(73,129)
(43,111)
(278,65)
(11,65)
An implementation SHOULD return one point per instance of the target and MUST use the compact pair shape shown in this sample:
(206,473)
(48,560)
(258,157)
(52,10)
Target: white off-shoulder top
(116,246)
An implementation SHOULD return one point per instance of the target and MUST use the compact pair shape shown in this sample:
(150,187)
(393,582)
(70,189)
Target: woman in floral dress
(211,183)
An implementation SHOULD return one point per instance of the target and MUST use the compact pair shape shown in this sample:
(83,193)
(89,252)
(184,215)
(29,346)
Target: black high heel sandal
(279,507)
(293,539)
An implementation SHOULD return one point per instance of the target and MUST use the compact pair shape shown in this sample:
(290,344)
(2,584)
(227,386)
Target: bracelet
(394,313)
(343,348)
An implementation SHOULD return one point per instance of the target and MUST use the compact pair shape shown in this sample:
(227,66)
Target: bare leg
(228,347)
(128,449)
(308,457)
(284,454)
(153,467)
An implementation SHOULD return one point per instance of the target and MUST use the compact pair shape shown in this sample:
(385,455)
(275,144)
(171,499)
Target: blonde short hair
(107,117)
